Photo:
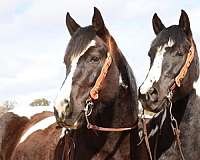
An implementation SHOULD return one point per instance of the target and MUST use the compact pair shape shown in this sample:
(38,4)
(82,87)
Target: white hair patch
(155,71)
(66,87)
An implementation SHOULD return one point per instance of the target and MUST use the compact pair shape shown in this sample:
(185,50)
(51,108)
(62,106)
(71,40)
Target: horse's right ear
(184,23)
(158,26)
(71,24)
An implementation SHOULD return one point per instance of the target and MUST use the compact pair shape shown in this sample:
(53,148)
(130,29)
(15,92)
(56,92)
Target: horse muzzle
(74,121)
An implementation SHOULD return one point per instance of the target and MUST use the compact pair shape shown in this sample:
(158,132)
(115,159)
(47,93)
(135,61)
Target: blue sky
(33,38)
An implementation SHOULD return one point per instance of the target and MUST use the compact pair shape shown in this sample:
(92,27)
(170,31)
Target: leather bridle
(94,95)
(179,78)
(176,83)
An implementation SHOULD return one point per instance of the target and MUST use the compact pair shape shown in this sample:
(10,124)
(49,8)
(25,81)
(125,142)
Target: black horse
(90,49)
(168,88)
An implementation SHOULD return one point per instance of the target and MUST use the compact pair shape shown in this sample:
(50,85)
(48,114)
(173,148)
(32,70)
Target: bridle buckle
(88,108)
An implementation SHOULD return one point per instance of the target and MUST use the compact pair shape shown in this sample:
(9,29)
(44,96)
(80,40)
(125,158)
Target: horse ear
(98,23)
(71,24)
(184,23)
(158,26)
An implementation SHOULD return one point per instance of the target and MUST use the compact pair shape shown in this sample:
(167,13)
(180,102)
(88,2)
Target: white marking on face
(66,87)
(40,125)
(155,71)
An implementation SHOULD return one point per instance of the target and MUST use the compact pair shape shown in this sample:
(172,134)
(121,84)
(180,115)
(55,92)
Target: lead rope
(146,139)
(176,131)
(70,153)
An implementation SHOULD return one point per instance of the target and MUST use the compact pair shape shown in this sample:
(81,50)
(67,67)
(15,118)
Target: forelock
(79,41)
(171,34)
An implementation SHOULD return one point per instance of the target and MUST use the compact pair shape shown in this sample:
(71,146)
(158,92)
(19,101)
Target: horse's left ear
(98,24)
(158,26)
(71,24)
(184,23)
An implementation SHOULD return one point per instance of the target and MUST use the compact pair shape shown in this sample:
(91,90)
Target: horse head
(92,71)
(174,64)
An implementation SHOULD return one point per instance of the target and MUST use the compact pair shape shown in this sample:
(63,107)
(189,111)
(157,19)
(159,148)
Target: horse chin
(76,121)
(157,106)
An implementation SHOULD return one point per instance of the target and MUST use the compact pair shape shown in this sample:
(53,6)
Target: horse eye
(94,59)
(167,49)
(179,53)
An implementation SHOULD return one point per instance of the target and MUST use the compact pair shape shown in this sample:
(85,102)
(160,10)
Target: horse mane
(128,79)
(196,63)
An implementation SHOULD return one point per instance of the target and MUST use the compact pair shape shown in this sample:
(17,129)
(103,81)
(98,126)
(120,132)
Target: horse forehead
(75,57)
(170,42)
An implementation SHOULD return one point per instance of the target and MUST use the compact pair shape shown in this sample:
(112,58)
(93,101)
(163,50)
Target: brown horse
(116,107)
(169,88)
(28,135)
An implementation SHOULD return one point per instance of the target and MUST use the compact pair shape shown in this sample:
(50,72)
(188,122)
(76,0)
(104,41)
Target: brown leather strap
(88,111)
(177,134)
(179,78)
(97,128)
(146,138)
(94,93)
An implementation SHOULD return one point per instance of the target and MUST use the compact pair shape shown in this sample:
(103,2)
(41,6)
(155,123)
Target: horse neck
(124,110)
(164,137)
(127,100)
(121,112)
(189,127)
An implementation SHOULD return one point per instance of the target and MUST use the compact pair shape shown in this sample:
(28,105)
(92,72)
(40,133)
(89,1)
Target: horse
(168,88)
(28,133)
(99,90)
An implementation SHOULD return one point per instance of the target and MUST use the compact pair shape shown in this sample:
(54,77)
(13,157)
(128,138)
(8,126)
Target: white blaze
(155,71)
(66,87)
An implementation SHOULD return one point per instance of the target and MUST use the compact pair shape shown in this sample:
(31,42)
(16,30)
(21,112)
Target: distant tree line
(40,102)
(8,104)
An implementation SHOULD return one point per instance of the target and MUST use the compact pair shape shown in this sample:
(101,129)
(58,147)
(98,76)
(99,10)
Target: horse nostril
(55,112)
(143,97)
(153,94)
(66,101)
